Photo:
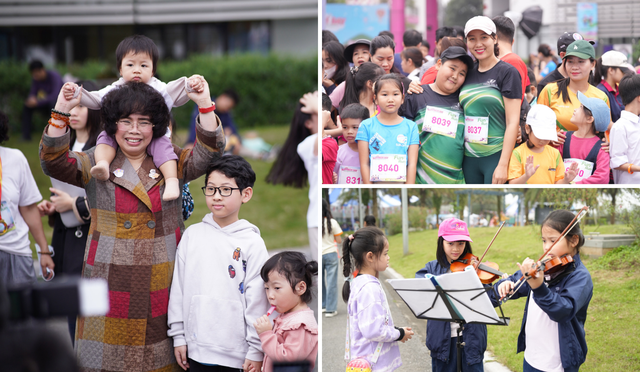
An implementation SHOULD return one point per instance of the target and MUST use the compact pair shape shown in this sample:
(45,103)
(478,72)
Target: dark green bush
(393,221)
(269,86)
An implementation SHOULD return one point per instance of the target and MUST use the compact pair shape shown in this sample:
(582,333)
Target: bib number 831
(353,180)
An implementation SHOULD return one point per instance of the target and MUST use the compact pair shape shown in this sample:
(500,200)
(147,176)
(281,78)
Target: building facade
(76,30)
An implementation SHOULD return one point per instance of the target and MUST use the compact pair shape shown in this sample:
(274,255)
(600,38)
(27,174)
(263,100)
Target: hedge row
(269,86)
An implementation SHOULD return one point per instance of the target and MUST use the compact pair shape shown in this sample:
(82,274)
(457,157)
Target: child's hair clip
(351,237)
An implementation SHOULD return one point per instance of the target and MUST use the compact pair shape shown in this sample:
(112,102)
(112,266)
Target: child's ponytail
(356,246)
(356,81)
(346,267)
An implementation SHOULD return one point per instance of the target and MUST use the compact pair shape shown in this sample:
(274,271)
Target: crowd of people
(475,112)
(118,216)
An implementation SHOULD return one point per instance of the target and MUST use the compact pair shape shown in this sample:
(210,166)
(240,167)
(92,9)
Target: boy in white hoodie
(217,292)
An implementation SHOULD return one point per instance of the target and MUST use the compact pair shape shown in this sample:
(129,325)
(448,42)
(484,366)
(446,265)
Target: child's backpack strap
(593,154)
(566,153)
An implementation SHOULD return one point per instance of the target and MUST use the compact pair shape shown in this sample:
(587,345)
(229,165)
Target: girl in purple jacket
(371,333)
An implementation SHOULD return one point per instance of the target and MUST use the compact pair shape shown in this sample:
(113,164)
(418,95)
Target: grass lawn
(612,325)
(279,212)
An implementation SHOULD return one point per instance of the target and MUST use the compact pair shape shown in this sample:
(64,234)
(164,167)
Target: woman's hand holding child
(196,83)
(69,89)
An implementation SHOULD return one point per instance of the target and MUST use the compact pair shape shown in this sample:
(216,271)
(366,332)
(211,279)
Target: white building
(618,21)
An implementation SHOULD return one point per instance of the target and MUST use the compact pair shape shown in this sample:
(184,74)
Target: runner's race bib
(349,175)
(440,121)
(476,129)
(388,168)
(585,168)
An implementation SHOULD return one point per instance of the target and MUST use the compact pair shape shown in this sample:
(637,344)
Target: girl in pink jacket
(294,335)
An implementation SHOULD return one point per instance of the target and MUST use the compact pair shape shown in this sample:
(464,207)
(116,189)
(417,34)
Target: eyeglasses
(142,125)
(224,190)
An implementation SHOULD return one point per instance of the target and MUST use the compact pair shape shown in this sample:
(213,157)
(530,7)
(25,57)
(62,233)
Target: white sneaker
(330,314)
(324,310)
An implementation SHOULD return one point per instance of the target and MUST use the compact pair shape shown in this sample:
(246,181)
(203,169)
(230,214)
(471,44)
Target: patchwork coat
(131,244)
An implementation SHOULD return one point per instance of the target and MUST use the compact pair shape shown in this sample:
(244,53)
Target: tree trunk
(374,205)
(437,203)
(613,193)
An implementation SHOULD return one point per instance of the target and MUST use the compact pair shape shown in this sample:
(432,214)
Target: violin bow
(571,225)
(489,246)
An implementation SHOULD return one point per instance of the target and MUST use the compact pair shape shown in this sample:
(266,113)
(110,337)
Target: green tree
(458,12)
(613,193)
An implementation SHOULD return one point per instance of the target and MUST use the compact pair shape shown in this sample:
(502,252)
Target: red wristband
(208,109)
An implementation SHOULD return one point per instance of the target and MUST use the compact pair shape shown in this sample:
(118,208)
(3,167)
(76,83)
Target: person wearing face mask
(355,53)
(334,65)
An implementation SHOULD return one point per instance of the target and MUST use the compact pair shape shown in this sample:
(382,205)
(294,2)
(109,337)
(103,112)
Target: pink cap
(454,230)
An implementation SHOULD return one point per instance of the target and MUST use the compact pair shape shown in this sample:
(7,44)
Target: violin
(488,272)
(550,265)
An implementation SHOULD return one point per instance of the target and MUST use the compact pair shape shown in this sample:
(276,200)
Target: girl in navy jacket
(453,243)
(552,335)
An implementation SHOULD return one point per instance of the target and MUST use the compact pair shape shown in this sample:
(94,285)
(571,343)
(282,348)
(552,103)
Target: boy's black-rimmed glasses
(224,190)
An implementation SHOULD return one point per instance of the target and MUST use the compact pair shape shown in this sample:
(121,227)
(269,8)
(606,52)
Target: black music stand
(455,297)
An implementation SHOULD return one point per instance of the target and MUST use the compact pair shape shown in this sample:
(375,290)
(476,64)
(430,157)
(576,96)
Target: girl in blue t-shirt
(388,134)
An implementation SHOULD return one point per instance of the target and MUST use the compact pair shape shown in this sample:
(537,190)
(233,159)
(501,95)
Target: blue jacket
(615,102)
(439,332)
(566,303)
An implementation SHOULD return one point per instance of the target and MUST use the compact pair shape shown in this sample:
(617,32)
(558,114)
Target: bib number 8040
(388,168)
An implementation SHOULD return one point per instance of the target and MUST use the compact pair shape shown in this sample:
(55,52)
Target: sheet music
(463,289)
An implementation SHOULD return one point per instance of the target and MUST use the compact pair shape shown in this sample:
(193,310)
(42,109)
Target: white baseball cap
(613,58)
(542,120)
(482,23)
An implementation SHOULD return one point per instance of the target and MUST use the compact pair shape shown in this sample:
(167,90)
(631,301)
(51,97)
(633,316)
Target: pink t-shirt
(580,148)
(346,156)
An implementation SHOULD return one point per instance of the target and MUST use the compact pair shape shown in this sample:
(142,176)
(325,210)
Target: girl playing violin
(453,243)
(552,333)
